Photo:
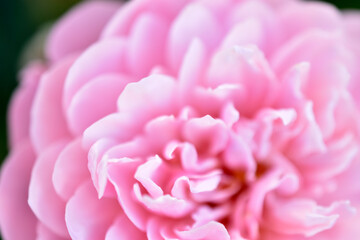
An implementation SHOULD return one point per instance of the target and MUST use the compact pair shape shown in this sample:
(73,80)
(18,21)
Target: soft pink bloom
(204,119)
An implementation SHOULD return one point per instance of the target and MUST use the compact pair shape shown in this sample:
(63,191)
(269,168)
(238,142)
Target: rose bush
(188,120)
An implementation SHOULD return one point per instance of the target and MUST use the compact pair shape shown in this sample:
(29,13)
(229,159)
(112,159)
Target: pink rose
(207,119)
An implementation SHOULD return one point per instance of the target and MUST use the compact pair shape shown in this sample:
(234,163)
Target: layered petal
(80,212)
(20,106)
(14,185)
(208,119)
(48,123)
(70,169)
(72,35)
(48,207)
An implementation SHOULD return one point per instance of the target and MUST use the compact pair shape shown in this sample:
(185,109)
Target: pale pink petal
(142,57)
(218,97)
(121,175)
(316,47)
(154,227)
(246,67)
(351,22)
(192,69)
(206,182)
(88,217)
(207,134)
(122,228)
(347,228)
(196,184)
(101,94)
(44,233)
(14,183)
(352,28)
(337,159)
(164,205)
(189,157)
(70,169)
(346,187)
(309,139)
(249,207)
(161,130)
(210,231)
(245,32)
(189,25)
(144,175)
(116,126)
(269,121)
(200,192)
(260,23)
(148,98)
(206,214)
(229,114)
(20,106)
(101,58)
(238,155)
(346,106)
(298,17)
(106,151)
(48,122)
(267,234)
(325,104)
(189,119)
(123,20)
(95,157)
(72,33)
(292,85)
(43,200)
(302,216)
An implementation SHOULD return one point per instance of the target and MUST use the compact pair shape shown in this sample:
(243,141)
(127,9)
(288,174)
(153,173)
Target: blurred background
(19,21)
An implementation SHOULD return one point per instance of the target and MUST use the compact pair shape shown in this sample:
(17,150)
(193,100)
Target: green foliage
(345,4)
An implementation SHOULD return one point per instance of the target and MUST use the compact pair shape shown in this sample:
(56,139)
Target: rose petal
(20,106)
(260,19)
(43,200)
(121,175)
(105,151)
(142,57)
(73,34)
(337,159)
(165,205)
(238,155)
(104,57)
(107,89)
(48,123)
(245,67)
(144,173)
(297,18)
(88,217)
(302,216)
(207,134)
(44,233)
(245,32)
(210,231)
(192,68)
(149,97)
(70,169)
(188,25)
(309,139)
(122,228)
(123,20)
(114,126)
(14,183)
